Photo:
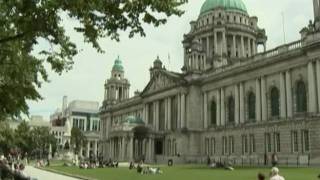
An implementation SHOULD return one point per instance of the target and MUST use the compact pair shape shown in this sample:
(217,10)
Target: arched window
(213,113)
(275,102)
(301,97)
(252,106)
(231,110)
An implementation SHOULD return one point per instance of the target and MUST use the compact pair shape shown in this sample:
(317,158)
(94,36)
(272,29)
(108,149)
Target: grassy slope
(190,173)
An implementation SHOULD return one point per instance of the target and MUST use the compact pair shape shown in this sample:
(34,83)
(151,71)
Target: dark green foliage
(77,139)
(27,23)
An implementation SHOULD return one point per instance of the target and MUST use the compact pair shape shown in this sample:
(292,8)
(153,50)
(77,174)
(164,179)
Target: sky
(91,69)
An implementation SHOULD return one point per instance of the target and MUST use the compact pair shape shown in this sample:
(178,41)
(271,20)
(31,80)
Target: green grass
(188,172)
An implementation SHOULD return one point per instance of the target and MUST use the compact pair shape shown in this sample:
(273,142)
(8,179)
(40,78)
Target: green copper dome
(226,4)
(117,65)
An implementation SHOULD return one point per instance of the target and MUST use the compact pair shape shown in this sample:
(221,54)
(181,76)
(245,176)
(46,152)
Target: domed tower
(117,87)
(157,66)
(223,34)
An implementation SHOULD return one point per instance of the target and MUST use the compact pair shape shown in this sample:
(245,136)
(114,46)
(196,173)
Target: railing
(280,50)
(261,56)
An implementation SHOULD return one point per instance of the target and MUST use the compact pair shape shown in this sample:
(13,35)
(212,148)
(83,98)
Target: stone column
(215,36)
(95,148)
(289,94)
(151,146)
(312,88)
(169,113)
(237,104)
(154,115)
(208,46)
(147,114)
(157,115)
(183,113)
(218,107)
(88,149)
(318,82)
(85,125)
(166,114)
(131,149)
(254,47)
(243,54)
(205,110)
(258,100)
(224,42)
(81,150)
(110,148)
(234,47)
(249,46)
(223,113)
(179,111)
(242,113)
(264,112)
(283,109)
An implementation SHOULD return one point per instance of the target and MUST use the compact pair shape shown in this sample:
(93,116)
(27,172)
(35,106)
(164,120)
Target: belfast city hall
(230,102)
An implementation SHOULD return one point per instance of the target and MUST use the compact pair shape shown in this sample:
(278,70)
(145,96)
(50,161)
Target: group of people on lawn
(274,174)
(12,169)
(141,169)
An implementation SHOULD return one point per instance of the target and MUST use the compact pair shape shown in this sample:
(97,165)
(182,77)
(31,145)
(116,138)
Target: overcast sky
(86,80)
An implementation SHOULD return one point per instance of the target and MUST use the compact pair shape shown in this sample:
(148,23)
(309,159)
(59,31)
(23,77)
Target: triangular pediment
(162,80)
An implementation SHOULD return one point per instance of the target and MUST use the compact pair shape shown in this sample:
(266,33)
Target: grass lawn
(189,172)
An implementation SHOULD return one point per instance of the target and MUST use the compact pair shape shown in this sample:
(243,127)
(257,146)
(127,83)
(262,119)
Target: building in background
(83,115)
(231,102)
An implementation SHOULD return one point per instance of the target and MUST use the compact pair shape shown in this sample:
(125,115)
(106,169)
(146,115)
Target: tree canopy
(77,139)
(25,24)
(24,139)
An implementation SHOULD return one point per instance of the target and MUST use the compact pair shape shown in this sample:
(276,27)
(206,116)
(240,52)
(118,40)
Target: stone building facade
(80,114)
(230,103)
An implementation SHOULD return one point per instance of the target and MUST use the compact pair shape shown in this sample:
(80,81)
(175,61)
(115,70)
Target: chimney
(64,103)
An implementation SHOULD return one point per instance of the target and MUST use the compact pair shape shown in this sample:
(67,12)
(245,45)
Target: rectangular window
(231,145)
(305,141)
(206,141)
(244,144)
(252,144)
(277,142)
(294,141)
(224,145)
(213,146)
(88,123)
(267,138)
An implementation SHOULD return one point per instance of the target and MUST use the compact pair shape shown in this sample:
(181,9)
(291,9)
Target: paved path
(45,175)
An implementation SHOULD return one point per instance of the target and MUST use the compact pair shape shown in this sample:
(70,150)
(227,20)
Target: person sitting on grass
(275,174)
(155,171)
(261,176)
(139,168)
(131,166)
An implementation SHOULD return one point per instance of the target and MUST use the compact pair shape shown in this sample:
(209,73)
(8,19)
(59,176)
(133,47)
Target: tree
(6,138)
(42,139)
(23,138)
(24,24)
(77,140)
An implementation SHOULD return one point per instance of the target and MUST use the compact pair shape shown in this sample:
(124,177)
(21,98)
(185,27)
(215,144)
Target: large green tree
(23,138)
(77,140)
(6,138)
(26,23)
(42,139)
